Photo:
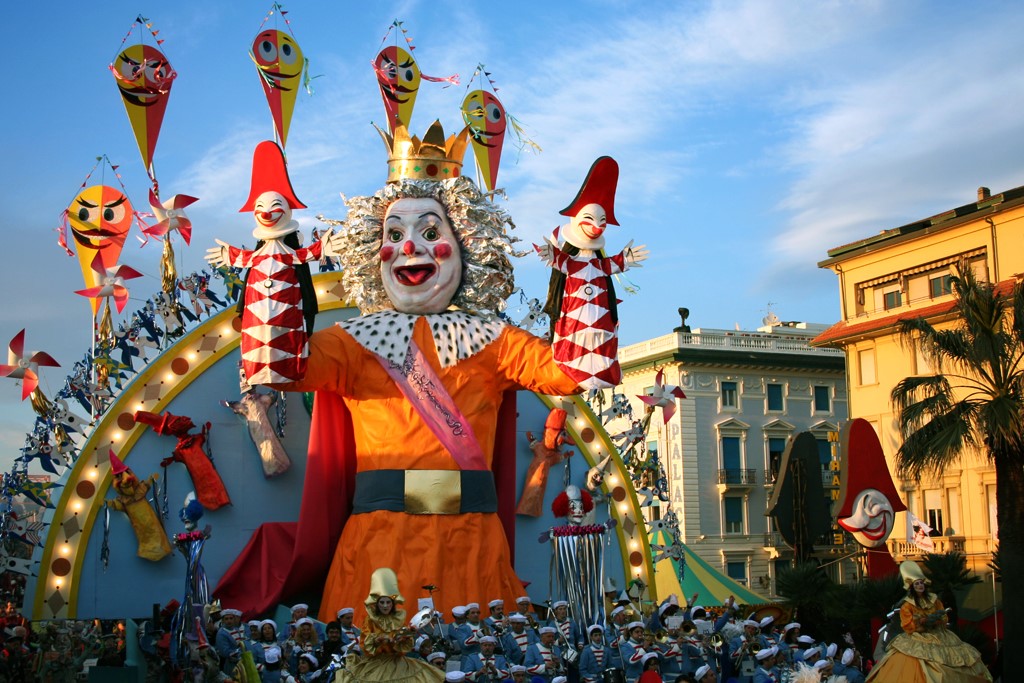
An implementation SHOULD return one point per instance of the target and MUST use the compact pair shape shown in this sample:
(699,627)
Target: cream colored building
(747,393)
(904,272)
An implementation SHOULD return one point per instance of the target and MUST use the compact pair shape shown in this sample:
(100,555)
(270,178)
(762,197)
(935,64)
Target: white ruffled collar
(457,335)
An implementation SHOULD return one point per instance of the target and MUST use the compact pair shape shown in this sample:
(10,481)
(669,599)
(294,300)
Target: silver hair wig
(481,227)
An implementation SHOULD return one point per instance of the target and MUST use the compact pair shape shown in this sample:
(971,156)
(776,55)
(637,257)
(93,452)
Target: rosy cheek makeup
(387,253)
(443,250)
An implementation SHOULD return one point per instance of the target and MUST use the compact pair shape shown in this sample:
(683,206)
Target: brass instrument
(754,648)
(689,629)
(716,642)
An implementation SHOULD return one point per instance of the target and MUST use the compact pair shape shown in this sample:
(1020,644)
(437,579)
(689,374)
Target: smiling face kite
(485,117)
(99,217)
(280,63)
(399,78)
(144,77)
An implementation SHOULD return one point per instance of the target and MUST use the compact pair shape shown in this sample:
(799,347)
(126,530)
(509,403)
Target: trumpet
(689,629)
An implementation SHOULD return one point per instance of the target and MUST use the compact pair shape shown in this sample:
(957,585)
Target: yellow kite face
(144,77)
(280,63)
(279,57)
(399,78)
(99,217)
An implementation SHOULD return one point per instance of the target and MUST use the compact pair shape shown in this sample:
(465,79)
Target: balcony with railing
(902,549)
(744,479)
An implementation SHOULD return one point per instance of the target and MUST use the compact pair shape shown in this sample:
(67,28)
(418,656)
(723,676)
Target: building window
(892,299)
(866,366)
(933,511)
(775,403)
(776,447)
(729,399)
(737,571)
(731,460)
(733,508)
(940,286)
(824,454)
(822,399)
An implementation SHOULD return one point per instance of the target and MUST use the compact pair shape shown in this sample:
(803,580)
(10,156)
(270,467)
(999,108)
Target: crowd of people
(487,644)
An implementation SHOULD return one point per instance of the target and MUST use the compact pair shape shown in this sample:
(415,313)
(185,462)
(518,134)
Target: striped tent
(712,587)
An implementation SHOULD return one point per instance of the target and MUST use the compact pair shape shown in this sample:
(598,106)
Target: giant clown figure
(408,408)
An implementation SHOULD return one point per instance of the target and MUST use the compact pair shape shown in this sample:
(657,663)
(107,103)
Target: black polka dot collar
(457,335)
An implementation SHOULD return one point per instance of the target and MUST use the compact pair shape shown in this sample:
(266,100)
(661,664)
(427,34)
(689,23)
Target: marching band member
(518,672)
(594,659)
(516,640)
(789,645)
(525,607)
(744,663)
(349,633)
(469,633)
(632,651)
(616,635)
(438,659)
(848,666)
(769,632)
(458,620)
(333,645)
(767,671)
(230,639)
(706,674)
(421,648)
(496,620)
(485,666)
(651,665)
(569,629)
(544,659)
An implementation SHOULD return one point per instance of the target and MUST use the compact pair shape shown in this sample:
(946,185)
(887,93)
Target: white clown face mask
(273,216)
(420,258)
(586,228)
(872,518)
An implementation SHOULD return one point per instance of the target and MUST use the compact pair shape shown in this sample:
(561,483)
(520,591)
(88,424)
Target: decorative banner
(144,78)
(99,218)
(483,113)
(280,64)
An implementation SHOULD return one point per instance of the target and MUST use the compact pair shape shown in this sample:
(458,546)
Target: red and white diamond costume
(274,340)
(585,339)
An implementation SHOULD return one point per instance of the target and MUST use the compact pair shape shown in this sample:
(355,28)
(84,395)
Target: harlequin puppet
(189,450)
(581,297)
(279,303)
(426,260)
(131,500)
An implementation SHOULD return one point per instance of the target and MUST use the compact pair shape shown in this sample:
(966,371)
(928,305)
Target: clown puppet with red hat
(581,297)
(279,302)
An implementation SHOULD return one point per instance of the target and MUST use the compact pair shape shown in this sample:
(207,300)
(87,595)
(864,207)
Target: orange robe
(466,555)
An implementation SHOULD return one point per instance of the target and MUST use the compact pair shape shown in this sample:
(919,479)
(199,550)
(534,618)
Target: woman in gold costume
(386,640)
(926,651)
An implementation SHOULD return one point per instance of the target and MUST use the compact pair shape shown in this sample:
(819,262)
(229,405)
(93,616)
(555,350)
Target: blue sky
(751,136)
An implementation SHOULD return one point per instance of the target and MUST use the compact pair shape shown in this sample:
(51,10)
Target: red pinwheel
(111,283)
(663,395)
(25,366)
(171,216)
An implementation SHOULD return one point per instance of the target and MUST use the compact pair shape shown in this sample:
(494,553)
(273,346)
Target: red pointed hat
(270,174)
(863,467)
(117,466)
(598,188)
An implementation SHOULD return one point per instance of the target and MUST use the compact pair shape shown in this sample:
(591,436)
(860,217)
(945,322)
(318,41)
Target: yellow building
(903,273)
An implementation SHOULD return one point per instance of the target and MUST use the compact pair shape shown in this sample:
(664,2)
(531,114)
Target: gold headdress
(911,572)
(432,158)
(383,582)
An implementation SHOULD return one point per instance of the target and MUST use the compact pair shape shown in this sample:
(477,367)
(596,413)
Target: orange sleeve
(525,360)
(331,363)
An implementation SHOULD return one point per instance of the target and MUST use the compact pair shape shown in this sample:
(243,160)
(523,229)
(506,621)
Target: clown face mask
(872,518)
(273,216)
(586,229)
(420,258)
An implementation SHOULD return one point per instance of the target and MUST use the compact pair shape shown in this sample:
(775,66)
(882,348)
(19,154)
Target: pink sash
(423,388)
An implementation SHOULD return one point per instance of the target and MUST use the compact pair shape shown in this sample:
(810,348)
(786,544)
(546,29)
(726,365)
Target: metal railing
(736,477)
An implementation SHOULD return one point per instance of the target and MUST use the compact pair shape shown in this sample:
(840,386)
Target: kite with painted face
(144,78)
(279,303)
(99,218)
(581,297)
(280,64)
(399,78)
(487,122)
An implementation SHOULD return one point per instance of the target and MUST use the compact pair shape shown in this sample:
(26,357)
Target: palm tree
(948,574)
(975,401)
(808,590)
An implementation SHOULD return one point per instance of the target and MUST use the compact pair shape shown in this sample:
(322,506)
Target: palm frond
(937,443)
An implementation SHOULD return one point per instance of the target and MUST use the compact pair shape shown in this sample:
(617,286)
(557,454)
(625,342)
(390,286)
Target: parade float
(168,401)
